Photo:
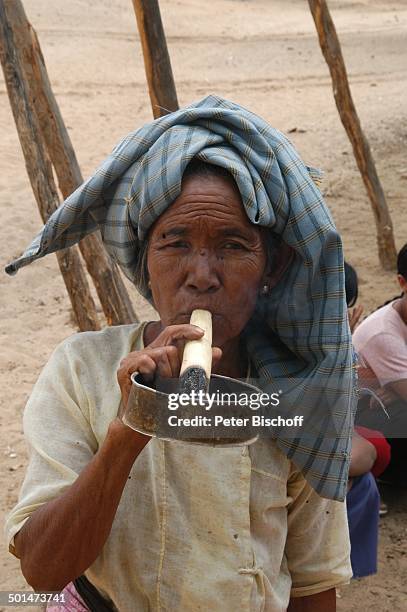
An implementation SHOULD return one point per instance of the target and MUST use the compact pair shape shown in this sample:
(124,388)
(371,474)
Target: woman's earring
(265,289)
(149,284)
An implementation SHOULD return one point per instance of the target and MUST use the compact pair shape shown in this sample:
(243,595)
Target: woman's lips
(187,315)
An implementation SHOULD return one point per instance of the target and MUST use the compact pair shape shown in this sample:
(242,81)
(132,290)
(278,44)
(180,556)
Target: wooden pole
(331,50)
(40,173)
(157,62)
(106,277)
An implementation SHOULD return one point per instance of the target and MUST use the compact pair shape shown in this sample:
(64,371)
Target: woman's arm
(320,602)
(64,537)
(399,387)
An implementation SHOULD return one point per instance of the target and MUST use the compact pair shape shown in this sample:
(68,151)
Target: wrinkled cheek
(244,279)
(158,263)
(239,300)
(167,271)
(166,279)
(164,290)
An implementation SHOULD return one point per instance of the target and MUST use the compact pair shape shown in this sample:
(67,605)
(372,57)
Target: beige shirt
(197,528)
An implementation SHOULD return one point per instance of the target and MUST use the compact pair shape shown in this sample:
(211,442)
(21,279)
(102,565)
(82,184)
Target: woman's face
(204,253)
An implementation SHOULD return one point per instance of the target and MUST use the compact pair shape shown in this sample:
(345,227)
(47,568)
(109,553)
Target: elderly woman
(122,521)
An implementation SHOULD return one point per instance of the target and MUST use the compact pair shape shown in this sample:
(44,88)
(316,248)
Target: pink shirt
(381,342)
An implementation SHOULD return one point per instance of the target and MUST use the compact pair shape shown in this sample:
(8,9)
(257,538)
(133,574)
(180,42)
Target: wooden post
(40,173)
(157,63)
(331,50)
(106,277)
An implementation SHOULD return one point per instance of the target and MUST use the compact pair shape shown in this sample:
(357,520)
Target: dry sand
(263,54)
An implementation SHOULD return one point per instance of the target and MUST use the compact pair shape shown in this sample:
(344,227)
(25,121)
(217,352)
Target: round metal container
(148,412)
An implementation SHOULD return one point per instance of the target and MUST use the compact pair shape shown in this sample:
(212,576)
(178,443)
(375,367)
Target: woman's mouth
(186,316)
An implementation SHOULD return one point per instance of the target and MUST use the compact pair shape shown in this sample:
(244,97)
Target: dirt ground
(263,54)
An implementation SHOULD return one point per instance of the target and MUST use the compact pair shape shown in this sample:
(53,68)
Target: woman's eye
(179,244)
(233,245)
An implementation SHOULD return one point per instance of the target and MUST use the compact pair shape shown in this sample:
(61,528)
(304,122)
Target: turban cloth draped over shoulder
(299,339)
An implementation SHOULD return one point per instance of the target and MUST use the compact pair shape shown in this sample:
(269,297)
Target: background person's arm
(363,456)
(399,388)
(386,354)
(64,536)
(320,602)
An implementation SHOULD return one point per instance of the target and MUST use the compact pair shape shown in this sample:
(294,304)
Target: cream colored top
(197,528)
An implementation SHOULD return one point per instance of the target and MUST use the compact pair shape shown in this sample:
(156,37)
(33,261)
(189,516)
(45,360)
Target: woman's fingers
(216,356)
(162,360)
(173,334)
(167,360)
(176,336)
(163,356)
(174,360)
(143,363)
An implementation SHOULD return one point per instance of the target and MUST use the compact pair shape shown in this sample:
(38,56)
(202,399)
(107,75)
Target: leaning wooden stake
(157,63)
(40,173)
(331,50)
(106,277)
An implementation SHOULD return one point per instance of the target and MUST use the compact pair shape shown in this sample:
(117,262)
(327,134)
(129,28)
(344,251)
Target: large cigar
(196,364)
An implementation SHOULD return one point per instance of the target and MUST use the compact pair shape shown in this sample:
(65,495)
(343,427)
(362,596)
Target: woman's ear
(282,258)
(402,283)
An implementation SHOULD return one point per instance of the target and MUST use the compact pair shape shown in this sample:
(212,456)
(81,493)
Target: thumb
(216,356)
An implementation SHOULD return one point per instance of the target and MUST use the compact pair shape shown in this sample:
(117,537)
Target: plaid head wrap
(299,339)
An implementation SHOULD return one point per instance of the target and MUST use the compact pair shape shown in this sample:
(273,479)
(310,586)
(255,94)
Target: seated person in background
(370,456)
(381,343)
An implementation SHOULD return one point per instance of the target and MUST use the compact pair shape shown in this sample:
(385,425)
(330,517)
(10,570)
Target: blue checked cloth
(299,339)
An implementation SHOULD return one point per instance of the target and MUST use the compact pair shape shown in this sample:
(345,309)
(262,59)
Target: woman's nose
(202,274)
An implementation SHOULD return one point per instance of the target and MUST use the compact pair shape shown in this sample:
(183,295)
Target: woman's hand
(386,395)
(163,356)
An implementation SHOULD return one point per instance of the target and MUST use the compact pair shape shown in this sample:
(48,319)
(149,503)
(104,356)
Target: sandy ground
(265,55)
